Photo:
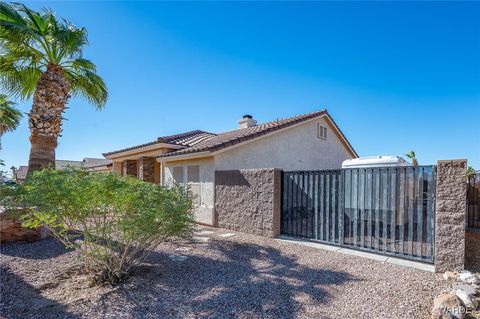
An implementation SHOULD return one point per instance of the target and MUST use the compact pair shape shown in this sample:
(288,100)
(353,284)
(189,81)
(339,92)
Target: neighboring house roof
(90,162)
(230,138)
(186,139)
(62,164)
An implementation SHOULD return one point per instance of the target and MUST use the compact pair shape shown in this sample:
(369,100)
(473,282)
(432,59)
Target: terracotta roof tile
(230,138)
(184,139)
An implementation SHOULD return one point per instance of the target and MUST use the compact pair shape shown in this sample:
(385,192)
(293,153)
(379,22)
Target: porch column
(451,194)
(146,169)
(117,167)
(130,168)
(157,170)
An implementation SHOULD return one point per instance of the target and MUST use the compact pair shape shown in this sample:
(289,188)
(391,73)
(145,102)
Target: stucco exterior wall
(296,148)
(205,213)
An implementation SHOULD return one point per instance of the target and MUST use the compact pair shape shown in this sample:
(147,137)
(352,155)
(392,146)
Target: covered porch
(145,168)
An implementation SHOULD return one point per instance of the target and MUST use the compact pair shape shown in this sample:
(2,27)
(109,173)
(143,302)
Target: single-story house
(304,142)
(95,164)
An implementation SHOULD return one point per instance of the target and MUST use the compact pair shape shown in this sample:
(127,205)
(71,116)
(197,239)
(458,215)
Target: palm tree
(411,155)
(42,56)
(470,171)
(9,115)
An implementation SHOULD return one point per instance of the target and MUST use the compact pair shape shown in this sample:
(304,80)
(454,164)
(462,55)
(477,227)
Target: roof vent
(246,121)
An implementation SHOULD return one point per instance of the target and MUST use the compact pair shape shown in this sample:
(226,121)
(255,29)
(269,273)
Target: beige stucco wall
(296,148)
(205,212)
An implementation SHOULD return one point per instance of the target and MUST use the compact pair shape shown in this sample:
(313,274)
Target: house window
(189,176)
(193,180)
(321,132)
(178,174)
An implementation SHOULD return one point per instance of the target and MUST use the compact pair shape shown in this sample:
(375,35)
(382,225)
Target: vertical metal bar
(385,178)
(334,206)
(351,211)
(341,208)
(370,208)
(393,209)
(429,224)
(322,197)
(290,203)
(284,199)
(306,203)
(327,206)
(295,204)
(354,188)
(411,184)
(311,205)
(303,204)
(420,213)
(377,208)
(401,209)
(315,183)
(361,206)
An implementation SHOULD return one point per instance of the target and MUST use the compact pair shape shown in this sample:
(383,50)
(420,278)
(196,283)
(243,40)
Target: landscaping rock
(468,299)
(11,230)
(450,275)
(447,306)
(468,277)
(467,288)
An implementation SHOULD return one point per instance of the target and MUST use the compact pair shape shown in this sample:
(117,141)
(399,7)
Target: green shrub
(113,221)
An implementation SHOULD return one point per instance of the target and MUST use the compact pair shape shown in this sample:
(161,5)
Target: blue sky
(395,76)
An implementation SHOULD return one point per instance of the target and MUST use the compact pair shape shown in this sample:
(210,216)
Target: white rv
(375,161)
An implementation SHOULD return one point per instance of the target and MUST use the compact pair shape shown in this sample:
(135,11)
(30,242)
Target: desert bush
(113,221)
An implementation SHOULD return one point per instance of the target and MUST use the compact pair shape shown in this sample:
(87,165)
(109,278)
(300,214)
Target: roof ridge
(278,120)
(250,133)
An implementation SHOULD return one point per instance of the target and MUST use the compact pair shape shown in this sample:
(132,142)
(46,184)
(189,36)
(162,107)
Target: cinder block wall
(249,201)
(450,215)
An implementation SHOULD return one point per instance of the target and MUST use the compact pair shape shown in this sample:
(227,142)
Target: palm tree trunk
(45,118)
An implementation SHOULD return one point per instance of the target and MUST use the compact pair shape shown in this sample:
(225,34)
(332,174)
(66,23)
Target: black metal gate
(473,201)
(388,210)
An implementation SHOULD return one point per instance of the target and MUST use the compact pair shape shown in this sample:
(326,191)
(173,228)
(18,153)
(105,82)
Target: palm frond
(30,41)
(9,115)
(86,83)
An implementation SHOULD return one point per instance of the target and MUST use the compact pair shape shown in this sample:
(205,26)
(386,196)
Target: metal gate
(473,201)
(387,210)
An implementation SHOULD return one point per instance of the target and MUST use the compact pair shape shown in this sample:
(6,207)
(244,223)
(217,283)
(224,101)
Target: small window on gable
(321,132)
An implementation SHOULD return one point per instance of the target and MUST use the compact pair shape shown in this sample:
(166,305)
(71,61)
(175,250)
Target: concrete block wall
(249,201)
(450,215)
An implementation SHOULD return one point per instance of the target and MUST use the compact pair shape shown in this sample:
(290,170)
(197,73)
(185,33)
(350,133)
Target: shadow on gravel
(20,300)
(245,280)
(41,249)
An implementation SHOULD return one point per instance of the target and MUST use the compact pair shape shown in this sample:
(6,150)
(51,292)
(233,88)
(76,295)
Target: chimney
(246,121)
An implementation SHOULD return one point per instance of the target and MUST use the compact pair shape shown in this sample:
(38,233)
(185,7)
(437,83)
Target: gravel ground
(241,276)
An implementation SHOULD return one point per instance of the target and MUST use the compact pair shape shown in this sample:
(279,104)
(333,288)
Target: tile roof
(62,164)
(90,162)
(186,139)
(230,138)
